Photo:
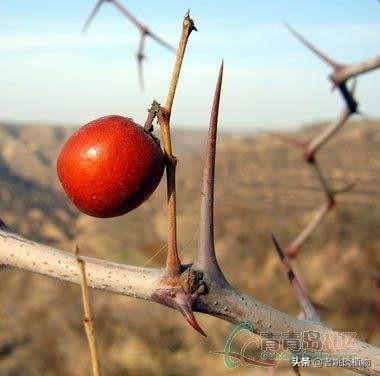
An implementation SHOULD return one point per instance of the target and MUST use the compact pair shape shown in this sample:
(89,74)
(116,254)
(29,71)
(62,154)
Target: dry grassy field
(262,187)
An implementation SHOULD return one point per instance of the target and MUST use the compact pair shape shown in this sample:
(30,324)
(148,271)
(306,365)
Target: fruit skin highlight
(110,166)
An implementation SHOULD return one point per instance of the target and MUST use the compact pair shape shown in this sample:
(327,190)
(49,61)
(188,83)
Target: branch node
(180,292)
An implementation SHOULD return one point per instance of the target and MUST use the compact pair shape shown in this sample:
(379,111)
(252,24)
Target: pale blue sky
(49,72)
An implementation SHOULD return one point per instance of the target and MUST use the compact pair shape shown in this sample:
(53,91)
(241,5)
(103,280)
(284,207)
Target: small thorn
(190,318)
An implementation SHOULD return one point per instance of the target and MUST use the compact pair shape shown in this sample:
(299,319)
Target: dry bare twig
(307,306)
(88,320)
(310,149)
(143,30)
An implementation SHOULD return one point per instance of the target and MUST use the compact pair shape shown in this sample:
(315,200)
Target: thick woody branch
(206,247)
(221,300)
(231,305)
(103,275)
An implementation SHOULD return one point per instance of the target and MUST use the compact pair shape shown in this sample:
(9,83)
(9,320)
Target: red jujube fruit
(110,166)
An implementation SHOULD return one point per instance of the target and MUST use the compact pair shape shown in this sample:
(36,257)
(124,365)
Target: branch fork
(341,72)
(144,31)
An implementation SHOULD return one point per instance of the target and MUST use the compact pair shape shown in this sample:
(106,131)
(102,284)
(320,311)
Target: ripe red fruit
(110,166)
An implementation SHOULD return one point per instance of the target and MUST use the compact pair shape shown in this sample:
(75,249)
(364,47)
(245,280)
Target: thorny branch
(311,148)
(307,305)
(341,73)
(143,30)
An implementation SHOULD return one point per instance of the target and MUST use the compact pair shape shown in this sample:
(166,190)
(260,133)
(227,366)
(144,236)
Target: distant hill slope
(263,186)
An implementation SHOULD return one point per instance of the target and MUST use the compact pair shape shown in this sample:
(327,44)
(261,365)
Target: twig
(143,30)
(302,295)
(173,263)
(294,247)
(88,321)
(326,134)
(178,288)
(311,148)
(347,72)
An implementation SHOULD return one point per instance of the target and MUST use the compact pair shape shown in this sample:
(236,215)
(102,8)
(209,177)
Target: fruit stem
(173,263)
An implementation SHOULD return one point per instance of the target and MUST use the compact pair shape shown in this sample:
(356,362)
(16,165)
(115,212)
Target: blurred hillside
(263,186)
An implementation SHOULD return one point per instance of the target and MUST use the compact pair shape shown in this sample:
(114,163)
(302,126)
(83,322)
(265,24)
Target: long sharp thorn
(190,318)
(92,15)
(206,246)
(311,47)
